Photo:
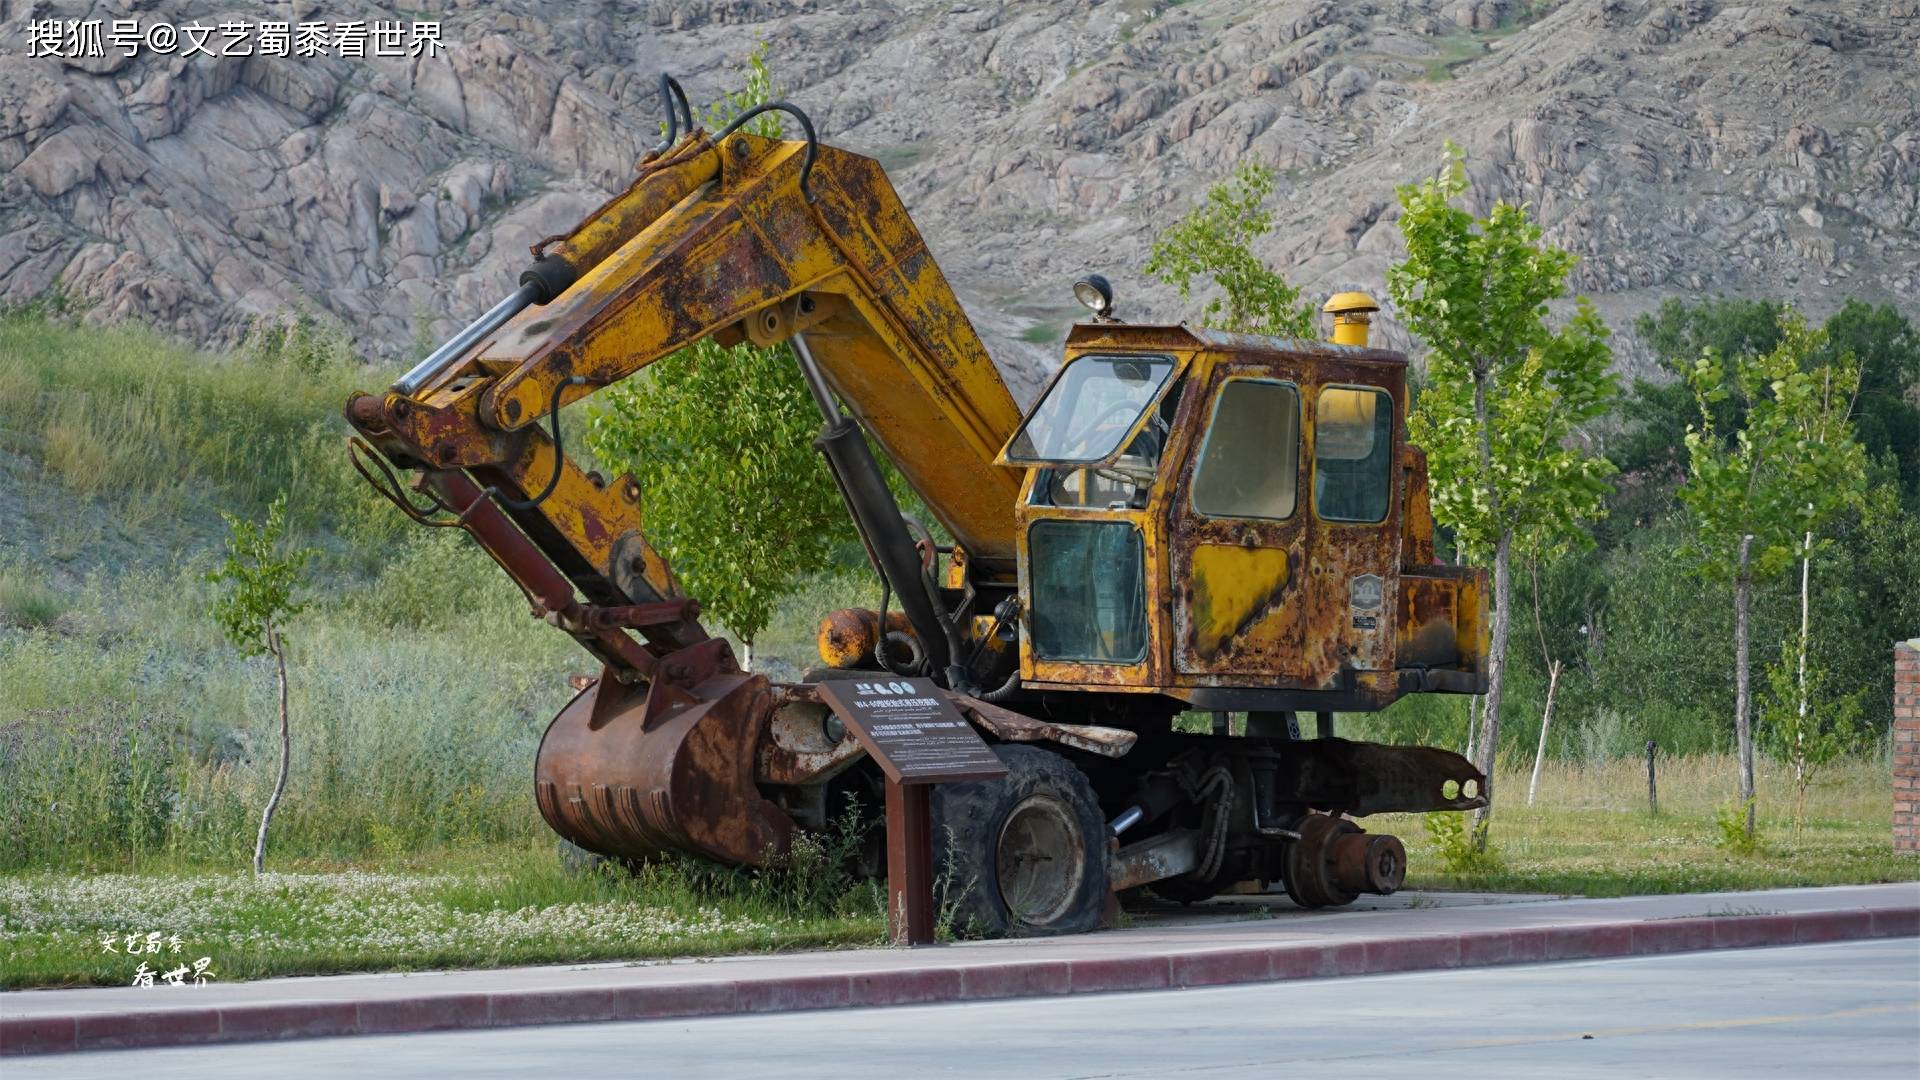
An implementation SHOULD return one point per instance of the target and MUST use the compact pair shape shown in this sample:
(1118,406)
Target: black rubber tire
(1044,793)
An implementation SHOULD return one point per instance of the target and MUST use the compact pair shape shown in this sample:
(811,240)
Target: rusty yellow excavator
(1193,541)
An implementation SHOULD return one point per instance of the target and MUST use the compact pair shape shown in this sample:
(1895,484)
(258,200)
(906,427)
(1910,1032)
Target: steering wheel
(1079,438)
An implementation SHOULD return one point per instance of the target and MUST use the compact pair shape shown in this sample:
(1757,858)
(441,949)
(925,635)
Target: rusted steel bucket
(621,779)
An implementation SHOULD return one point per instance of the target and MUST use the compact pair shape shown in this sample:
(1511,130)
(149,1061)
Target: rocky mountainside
(1679,146)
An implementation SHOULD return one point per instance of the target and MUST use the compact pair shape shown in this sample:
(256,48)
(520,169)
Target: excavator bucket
(635,772)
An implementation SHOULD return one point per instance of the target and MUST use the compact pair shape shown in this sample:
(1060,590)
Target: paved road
(1848,1009)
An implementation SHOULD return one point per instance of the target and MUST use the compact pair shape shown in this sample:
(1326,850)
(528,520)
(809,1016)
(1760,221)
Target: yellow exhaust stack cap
(1352,312)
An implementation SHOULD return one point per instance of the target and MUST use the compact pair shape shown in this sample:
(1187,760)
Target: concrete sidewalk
(1167,955)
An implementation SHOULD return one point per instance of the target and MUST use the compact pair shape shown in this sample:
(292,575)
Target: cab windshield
(1093,405)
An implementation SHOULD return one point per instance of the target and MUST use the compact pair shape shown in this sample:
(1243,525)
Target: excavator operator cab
(1217,517)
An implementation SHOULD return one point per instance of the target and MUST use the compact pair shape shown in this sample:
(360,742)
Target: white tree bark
(1489,747)
(1546,719)
(1800,733)
(1496,680)
(275,647)
(1742,691)
(1473,725)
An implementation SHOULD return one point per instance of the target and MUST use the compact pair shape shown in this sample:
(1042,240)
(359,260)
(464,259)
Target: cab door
(1239,529)
(1355,431)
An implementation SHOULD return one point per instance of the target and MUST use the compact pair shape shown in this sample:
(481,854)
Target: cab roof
(1183,336)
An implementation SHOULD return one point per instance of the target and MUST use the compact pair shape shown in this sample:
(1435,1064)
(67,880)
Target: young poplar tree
(1214,240)
(1505,397)
(1763,494)
(721,441)
(256,599)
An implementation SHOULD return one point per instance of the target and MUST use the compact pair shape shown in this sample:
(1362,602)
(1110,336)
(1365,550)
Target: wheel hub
(1038,862)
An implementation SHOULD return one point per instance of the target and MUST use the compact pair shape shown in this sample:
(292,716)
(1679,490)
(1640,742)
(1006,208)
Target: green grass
(1590,833)
(481,907)
(136,747)
(155,428)
(26,599)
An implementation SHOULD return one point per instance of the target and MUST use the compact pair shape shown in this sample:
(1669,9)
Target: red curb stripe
(1672,935)
(1026,978)
(1219,967)
(422,1014)
(37,1035)
(161,1027)
(1113,973)
(792,995)
(906,987)
(1413,954)
(671,1002)
(1818,926)
(1223,967)
(1895,922)
(294,1020)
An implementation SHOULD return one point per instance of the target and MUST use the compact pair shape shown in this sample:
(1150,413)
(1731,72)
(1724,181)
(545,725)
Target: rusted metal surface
(1269,613)
(796,748)
(1427,620)
(1010,726)
(1369,863)
(1168,854)
(674,748)
(848,638)
(890,336)
(1332,862)
(1363,778)
(1416,510)
(618,781)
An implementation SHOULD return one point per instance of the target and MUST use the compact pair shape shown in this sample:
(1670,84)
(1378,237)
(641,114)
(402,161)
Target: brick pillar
(1906,746)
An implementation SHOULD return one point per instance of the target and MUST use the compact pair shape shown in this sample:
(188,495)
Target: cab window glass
(1250,463)
(1089,591)
(1123,484)
(1090,409)
(1352,454)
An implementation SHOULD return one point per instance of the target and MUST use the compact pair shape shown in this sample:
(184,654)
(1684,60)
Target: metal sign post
(918,739)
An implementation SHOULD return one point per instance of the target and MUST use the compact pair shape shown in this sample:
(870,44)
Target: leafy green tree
(1661,411)
(1886,347)
(1765,493)
(1884,343)
(1869,587)
(1215,241)
(1805,726)
(258,586)
(1505,395)
(721,441)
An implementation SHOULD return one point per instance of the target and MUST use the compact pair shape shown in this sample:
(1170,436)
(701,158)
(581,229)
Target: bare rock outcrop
(1677,146)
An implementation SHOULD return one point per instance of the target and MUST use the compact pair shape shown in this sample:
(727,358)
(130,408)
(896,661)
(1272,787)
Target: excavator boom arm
(737,238)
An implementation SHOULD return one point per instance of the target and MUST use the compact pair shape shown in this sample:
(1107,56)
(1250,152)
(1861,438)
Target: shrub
(1454,845)
(1730,823)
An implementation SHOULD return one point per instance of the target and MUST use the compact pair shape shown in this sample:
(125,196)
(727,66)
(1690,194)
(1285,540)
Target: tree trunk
(1496,679)
(1502,608)
(1800,732)
(746,654)
(275,647)
(1546,719)
(1473,724)
(1742,692)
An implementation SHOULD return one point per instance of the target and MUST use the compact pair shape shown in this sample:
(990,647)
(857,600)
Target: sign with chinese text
(912,730)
